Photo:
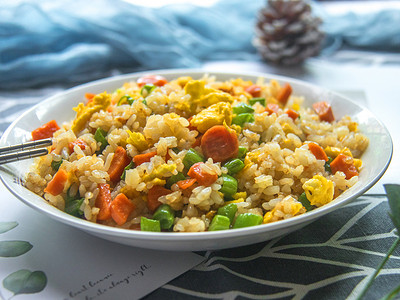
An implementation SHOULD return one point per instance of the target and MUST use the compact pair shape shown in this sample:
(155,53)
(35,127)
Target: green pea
(219,222)
(228,210)
(229,185)
(192,157)
(247,220)
(165,215)
(234,166)
(149,225)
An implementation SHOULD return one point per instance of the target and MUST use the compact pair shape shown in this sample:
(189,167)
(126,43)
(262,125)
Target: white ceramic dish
(376,160)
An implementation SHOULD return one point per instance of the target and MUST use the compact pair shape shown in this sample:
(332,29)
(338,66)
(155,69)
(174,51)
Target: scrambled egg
(216,114)
(84,113)
(287,206)
(138,140)
(335,151)
(201,96)
(319,190)
(159,172)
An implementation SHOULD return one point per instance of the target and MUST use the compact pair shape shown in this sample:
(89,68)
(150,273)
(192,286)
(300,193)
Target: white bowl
(376,160)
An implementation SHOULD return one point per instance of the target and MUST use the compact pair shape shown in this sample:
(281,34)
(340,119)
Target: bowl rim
(193,236)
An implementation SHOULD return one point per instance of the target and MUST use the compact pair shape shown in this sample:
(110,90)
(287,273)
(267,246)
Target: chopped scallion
(147,89)
(243,118)
(174,179)
(99,136)
(305,202)
(242,152)
(242,108)
(55,165)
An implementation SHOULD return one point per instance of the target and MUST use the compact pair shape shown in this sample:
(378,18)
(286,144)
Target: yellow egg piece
(319,190)
(216,114)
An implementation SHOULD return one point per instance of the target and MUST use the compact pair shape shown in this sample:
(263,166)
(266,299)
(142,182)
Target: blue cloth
(77,41)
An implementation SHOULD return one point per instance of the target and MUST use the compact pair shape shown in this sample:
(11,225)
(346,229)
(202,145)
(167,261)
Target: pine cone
(287,33)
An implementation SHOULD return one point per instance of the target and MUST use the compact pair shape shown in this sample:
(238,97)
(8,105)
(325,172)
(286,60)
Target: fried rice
(161,126)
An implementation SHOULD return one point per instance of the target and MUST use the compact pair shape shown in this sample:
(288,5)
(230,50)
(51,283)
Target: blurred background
(47,43)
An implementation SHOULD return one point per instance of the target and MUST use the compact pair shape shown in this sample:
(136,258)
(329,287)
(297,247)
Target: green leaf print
(14,248)
(6,226)
(25,282)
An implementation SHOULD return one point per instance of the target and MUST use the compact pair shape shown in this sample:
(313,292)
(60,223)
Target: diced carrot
(344,164)
(317,150)
(152,197)
(120,208)
(81,143)
(187,183)
(203,178)
(284,93)
(57,183)
(272,108)
(152,79)
(89,97)
(45,131)
(220,143)
(292,113)
(118,164)
(103,202)
(254,90)
(324,111)
(142,158)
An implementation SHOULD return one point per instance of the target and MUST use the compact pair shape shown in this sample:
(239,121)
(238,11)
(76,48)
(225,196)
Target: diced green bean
(234,166)
(55,165)
(328,165)
(242,152)
(246,220)
(74,207)
(255,100)
(165,215)
(128,167)
(147,89)
(174,179)
(242,108)
(219,222)
(305,202)
(100,136)
(149,225)
(126,98)
(242,118)
(192,157)
(228,210)
(229,185)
